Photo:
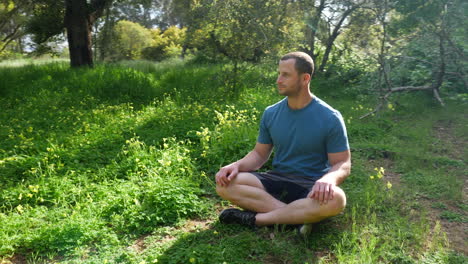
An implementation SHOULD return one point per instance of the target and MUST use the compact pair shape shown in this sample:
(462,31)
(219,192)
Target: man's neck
(300,100)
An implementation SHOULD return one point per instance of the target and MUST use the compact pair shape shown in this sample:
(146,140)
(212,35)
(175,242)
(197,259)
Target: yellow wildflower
(19,208)
(389,185)
(34,188)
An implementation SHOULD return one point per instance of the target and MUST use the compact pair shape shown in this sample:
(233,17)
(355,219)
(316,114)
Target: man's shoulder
(326,109)
(275,107)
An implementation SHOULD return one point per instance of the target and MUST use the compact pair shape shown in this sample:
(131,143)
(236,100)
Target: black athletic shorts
(284,187)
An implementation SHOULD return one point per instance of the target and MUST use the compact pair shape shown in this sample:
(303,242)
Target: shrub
(130,39)
(233,137)
(160,188)
(167,44)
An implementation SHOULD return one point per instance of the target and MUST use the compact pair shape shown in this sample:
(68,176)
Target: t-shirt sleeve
(337,139)
(263,133)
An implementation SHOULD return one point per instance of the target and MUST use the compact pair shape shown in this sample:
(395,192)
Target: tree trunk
(314,29)
(320,9)
(77,23)
(332,38)
(105,35)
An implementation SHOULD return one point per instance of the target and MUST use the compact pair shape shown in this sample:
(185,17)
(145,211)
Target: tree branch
(416,59)
(9,38)
(97,8)
(395,90)
(12,34)
(336,31)
(7,17)
(408,88)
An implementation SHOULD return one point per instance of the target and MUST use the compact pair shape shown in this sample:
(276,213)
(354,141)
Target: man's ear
(306,77)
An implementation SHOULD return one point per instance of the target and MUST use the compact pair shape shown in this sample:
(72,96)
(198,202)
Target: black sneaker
(236,216)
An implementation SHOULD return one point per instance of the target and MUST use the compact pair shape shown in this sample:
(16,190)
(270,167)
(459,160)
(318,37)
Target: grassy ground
(30,61)
(116,164)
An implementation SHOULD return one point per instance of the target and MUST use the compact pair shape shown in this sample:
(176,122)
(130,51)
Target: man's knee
(243,178)
(229,193)
(226,192)
(233,191)
(338,203)
(221,190)
(332,207)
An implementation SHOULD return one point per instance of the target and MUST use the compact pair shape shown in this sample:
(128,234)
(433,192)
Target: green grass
(30,61)
(115,164)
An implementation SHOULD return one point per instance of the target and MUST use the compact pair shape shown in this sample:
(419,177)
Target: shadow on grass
(156,129)
(236,244)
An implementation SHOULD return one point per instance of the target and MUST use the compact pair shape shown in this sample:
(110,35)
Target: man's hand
(322,191)
(226,174)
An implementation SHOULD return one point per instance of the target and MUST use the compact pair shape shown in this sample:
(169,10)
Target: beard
(290,90)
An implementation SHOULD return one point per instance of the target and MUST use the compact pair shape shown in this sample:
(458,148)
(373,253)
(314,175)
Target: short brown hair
(303,62)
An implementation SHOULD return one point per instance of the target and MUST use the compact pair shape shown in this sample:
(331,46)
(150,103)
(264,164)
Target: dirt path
(456,228)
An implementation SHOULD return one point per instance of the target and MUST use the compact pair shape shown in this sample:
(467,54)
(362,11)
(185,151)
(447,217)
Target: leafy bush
(129,40)
(233,137)
(167,44)
(161,188)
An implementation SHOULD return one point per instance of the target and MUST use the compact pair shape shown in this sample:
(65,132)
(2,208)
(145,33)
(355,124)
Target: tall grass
(30,61)
(92,160)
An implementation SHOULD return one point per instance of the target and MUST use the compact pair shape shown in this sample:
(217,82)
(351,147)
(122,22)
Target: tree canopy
(413,44)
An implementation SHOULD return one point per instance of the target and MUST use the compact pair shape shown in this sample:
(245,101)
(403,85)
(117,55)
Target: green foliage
(160,188)
(148,186)
(129,40)
(232,137)
(433,31)
(167,44)
(46,21)
(13,17)
(453,216)
(241,30)
(414,13)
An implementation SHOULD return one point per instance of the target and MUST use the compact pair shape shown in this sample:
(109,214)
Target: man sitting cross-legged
(311,158)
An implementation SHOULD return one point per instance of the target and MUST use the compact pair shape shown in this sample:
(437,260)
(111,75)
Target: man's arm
(323,189)
(252,161)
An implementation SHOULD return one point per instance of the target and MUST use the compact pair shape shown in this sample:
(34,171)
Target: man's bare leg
(303,211)
(247,191)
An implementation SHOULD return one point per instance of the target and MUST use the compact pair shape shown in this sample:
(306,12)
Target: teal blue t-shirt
(302,138)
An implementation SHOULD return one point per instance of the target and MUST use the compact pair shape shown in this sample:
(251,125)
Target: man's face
(288,81)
